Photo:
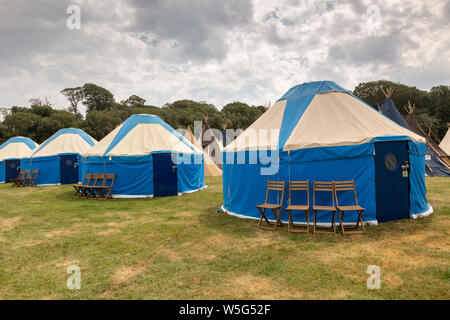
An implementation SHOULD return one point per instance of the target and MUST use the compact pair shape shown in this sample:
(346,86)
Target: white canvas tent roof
(329,119)
(65,141)
(17,148)
(141,135)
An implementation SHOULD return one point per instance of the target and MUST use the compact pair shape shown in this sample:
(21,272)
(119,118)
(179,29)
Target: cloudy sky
(217,51)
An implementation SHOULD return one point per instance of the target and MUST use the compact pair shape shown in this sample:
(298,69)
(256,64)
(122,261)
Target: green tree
(75,96)
(4,134)
(133,101)
(185,112)
(23,124)
(240,115)
(371,93)
(99,123)
(440,102)
(97,98)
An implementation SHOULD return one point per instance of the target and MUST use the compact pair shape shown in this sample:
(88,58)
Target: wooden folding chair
(17,181)
(103,191)
(323,186)
(298,186)
(80,189)
(342,186)
(31,180)
(276,208)
(20,182)
(91,190)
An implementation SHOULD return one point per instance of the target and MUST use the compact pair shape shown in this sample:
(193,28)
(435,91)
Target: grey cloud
(219,51)
(197,27)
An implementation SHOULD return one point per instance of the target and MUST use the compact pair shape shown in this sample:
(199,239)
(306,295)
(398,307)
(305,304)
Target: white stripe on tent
(124,196)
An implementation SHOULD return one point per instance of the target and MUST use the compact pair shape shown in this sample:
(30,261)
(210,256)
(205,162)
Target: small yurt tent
(11,153)
(320,131)
(58,158)
(148,158)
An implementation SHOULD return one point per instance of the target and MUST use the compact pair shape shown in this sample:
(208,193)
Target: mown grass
(180,248)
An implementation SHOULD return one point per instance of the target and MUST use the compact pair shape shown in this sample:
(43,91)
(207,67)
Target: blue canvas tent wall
(47,158)
(435,166)
(317,131)
(15,148)
(129,152)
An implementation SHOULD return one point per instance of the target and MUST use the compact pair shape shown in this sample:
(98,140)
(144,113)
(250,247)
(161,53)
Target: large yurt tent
(148,158)
(211,170)
(320,131)
(11,154)
(435,164)
(58,158)
(445,143)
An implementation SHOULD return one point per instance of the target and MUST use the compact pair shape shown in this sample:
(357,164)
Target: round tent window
(68,163)
(12,165)
(391,161)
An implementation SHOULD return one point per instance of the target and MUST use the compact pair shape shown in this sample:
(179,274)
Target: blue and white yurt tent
(320,131)
(11,153)
(58,158)
(148,158)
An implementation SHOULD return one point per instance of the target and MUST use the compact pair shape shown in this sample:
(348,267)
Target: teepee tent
(11,153)
(439,157)
(211,170)
(211,144)
(434,161)
(320,131)
(58,158)
(148,158)
(445,143)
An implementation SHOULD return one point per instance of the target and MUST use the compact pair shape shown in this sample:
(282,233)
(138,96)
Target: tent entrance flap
(164,175)
(69,169)
(392,180)
(12,169)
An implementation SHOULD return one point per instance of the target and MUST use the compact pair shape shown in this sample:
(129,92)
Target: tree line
(103,113)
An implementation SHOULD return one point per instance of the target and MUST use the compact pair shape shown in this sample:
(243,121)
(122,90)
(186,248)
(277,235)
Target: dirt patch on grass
(7,224)
(257,287)
(61,233)
(126,274)
(108,232)
(171,254)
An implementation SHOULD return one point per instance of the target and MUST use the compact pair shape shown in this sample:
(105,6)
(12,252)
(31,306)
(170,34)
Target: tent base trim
(48,184)
(320,224)
(423,214)
(126,196)
(192,191)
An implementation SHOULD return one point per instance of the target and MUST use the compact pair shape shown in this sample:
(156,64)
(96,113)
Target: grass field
(180,248)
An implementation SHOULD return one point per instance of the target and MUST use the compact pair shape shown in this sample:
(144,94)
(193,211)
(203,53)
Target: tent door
(12,169)
(69,169)
(392,180)
(164,175)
